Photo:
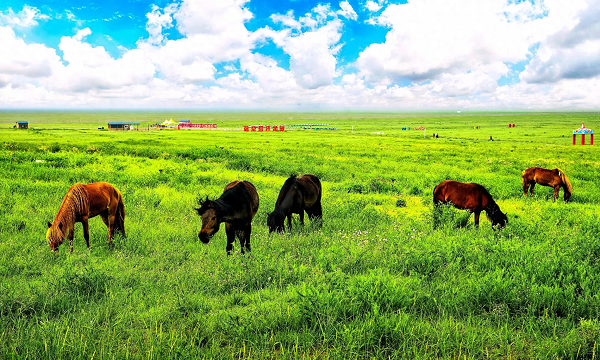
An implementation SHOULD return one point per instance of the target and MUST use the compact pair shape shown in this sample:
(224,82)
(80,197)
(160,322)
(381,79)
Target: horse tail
(436,200)
(567,183)
(120,215)
(319,186)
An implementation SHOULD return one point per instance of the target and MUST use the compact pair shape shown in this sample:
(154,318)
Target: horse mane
(492,210)
(566,181)
(205,205)
(285,188)
(74,203)
(487,194)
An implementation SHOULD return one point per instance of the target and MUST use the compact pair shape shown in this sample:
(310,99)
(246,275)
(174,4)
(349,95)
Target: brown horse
(298,194)
(81,203)
(555,178)
(236,208)
(472,197)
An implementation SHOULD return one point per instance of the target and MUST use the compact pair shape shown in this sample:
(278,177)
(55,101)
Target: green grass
(378,280)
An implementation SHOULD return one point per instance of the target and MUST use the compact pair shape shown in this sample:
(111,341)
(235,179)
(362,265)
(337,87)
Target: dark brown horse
(298,194)
(472,197)
(236,208)
(81,203)
(554,178)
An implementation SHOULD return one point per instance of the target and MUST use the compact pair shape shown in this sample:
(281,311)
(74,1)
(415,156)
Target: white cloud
(158,21)
(270,77)
(25,18)
(373,6)
(347,11)
(572,50)
(213,17)
(287,20)
(312,52)
(432,37)
(92,67)
(448,54)
(20,59)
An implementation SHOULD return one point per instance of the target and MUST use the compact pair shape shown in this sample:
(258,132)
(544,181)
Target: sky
(301,55)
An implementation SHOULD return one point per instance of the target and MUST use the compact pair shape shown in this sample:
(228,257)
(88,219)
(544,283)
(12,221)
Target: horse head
(498,218)
(211,219)
(55,235)
(275,222)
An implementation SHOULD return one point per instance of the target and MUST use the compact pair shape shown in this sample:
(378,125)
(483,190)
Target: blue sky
(300,55)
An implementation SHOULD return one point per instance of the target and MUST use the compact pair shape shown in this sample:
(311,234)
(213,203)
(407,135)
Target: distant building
(23,124)
(122,125)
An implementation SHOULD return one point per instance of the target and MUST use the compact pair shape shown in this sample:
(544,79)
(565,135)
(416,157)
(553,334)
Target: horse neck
(284,206)
(492,208)
(223,208)
(67,212)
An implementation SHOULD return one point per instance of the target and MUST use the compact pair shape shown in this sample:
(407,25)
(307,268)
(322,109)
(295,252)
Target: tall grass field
(376,281)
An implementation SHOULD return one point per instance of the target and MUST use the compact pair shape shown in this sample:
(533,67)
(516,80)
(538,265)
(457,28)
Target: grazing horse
(472,197)
(236,208)
(555,178)
(81,203)
(298,194)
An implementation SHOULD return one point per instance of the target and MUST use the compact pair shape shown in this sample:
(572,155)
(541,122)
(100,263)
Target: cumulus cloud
(157,21)
(347,11)
(92,67)
(212,17)
(373,6)
(312,41)
(572,51)
(25,18)
(20,59)
(428,38)
(437,54)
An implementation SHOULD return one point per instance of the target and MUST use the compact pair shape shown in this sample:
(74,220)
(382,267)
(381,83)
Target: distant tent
(169,123)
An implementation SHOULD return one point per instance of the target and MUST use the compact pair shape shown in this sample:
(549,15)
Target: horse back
(241,196)
(101,196)
(470,196)
(310,188)
(547,177)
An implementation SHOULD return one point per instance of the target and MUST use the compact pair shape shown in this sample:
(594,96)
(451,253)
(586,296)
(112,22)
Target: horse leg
(71,235)
(555,195)
(525,187)
(315,213)
(531,189)
(86,231)
(230,231)
(477,213)
(245,238)
(436,213)
(289,221)
(111,228)
(301,217)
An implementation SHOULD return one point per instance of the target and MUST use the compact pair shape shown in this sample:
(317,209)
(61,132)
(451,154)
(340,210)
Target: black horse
(298,194)
(236,208)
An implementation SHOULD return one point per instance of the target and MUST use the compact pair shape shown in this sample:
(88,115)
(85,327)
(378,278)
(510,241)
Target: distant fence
(312,127)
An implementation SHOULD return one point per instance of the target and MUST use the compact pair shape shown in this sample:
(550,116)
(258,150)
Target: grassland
(376,281)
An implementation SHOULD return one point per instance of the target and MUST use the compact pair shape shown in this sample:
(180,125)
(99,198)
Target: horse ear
(49,224)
